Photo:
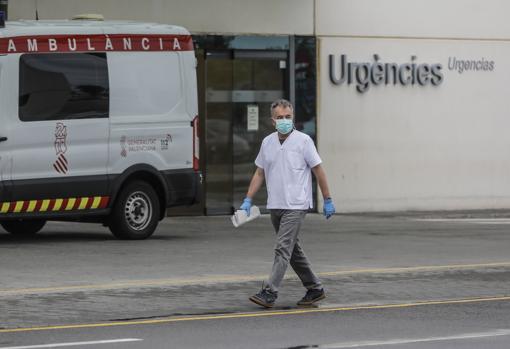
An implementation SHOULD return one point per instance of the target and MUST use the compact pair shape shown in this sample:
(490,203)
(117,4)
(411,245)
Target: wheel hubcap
(138,210)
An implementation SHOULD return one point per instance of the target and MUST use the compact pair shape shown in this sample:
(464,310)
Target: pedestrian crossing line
(265,313)
(239,278)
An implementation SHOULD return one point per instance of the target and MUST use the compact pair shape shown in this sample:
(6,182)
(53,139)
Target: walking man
(285,161)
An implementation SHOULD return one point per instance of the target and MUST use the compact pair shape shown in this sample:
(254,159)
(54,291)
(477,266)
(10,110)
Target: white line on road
(74,344)
(417,340)
(505,221)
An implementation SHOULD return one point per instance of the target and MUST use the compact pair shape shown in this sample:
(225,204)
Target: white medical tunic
(287,170)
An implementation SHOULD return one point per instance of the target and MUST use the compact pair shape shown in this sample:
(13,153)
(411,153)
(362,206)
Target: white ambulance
(98,123)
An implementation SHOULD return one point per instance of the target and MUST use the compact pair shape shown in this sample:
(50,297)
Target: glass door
(240,86)
(259,79)
(218,133)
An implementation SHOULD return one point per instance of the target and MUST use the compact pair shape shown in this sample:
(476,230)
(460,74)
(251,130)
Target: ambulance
(98,123)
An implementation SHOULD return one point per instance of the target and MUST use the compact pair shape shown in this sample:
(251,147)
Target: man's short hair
(281,103)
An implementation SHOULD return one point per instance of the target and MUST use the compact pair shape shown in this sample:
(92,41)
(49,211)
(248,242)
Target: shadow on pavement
(57,237)
(82,237)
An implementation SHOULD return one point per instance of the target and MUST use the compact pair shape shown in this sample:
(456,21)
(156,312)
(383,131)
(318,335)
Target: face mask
(284,126)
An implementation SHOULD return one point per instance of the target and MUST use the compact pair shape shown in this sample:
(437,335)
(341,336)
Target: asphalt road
(393,282)
(471,325)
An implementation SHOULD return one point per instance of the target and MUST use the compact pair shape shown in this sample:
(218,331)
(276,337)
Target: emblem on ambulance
(165,141)
(61,165)
(123,147)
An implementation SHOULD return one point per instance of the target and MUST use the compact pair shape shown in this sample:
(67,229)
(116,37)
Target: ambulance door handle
(3,139)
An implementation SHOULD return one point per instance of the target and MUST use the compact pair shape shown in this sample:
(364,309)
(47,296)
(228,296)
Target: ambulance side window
(144,84)
(59,86)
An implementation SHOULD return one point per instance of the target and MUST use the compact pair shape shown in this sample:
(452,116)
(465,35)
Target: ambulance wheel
(23,227)
(135,213)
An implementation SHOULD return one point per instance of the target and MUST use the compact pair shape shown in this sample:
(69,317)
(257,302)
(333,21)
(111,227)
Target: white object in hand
(240,217)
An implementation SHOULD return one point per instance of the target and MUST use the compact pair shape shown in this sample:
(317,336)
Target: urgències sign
(376,73)
(461,65)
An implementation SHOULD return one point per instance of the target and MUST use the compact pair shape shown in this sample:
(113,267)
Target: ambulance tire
(135,214)
(23,227)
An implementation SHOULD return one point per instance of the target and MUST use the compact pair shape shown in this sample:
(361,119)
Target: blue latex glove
(246,205)
(329,208)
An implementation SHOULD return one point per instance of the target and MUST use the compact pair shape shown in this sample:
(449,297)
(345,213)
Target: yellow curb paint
(83,203)
(263,314)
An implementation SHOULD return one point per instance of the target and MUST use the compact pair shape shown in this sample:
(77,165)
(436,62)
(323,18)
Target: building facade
(406,99)
(435,136)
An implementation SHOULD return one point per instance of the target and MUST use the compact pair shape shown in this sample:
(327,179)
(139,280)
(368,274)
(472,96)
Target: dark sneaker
(312,296)
(265,298)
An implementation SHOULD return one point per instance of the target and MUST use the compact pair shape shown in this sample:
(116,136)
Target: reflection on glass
(233,83)
(306,81)
(262,81)
(218,137)
(232,86)
(61,86)
(241,42)
(306,95)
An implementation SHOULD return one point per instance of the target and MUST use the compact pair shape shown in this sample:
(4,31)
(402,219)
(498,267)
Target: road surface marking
(260,314)
(238,278)
(74,344)
(427,268)
(465,220)
(465,336)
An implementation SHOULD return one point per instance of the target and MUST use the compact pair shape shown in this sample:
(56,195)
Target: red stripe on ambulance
(95,43)
(104,202)
(89,203)
(52,205)
(24,208)
(55,205)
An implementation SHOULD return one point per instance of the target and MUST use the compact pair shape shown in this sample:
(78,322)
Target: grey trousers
(287,224)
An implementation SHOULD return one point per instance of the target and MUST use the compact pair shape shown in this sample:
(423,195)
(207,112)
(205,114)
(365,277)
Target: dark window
(306,85)
(58,86)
